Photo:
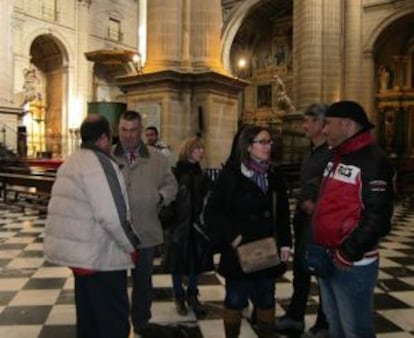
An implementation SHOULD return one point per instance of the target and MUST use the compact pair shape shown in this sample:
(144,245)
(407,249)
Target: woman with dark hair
(186,251)
(249,202)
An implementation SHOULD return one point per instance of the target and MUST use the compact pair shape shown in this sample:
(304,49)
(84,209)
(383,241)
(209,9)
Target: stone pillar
(406,63)
(353,51)
(8,111)
(186,35)
(332,59)
(366,95)
(82,78)
(316,51)
(164,22)
(6,53)
(205,45)
(397,73)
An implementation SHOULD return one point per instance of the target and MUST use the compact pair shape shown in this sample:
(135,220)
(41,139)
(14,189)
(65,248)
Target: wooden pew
(29,190)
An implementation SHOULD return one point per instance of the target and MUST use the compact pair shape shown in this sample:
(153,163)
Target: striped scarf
(259,176)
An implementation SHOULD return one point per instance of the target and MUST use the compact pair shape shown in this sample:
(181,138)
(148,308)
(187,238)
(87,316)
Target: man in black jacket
(312,168)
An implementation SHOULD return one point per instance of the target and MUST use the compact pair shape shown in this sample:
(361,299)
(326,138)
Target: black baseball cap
(350,110)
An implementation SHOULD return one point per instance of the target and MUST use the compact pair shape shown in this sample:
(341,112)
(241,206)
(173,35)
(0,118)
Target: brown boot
(232,322)
(265,322)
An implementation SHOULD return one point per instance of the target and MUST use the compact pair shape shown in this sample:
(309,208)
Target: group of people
(103,220)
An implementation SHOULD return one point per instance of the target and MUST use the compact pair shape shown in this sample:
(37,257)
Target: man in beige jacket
(151,184)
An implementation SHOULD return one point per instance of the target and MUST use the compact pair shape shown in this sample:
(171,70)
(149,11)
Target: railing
(4,129)
(51,145)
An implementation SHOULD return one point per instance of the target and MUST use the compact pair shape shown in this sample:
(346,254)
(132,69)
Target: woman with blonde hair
(186,253)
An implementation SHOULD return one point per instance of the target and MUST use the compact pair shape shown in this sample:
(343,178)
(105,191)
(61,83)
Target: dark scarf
(259,173)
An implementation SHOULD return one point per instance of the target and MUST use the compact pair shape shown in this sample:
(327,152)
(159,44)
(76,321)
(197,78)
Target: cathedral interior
(206,69)
(191,67)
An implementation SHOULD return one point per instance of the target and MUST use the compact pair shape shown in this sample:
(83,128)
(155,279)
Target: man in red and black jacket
(352,214)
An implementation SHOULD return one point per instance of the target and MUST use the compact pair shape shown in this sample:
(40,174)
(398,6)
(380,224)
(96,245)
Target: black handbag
(318,261)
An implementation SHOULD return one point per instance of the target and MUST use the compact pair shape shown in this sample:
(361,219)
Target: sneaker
(286,323)
(180,306)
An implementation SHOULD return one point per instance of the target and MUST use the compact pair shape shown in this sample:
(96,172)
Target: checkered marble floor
(36,298)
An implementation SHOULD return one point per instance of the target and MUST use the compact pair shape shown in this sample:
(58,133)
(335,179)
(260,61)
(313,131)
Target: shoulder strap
(117,195)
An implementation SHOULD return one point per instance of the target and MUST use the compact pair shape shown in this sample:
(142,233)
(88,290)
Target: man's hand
(285,253)
(134,256)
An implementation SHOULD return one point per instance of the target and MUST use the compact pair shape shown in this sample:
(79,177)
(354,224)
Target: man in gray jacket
(151,184)
(88,228)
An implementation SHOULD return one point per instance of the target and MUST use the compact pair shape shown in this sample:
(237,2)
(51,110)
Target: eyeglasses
(263,142)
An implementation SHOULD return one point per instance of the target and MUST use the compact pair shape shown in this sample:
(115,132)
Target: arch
(58,38)
(231,28)
(379,29)
(52,141)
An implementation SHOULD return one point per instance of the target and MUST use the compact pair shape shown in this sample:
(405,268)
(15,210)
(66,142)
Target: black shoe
(198,308)
(180,306)
(152,330)
(316,331)
(286,323)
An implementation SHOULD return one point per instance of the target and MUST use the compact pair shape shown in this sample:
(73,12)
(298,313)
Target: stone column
(164,22)
(82,74)
(316,51)
(8,111)
(205,45)
(397,73)
(6,53)
(406,63)
(186,34)
(409,72)
(353,51)
(366,95)
(331,48)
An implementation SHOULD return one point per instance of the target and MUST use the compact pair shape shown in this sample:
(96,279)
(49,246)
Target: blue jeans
(261,291)
(178,288)
(348,301)
(141,298)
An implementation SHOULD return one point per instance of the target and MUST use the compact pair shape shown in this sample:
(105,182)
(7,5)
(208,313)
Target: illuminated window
(114,29)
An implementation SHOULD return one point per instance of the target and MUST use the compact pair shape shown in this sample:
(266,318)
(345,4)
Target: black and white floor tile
(36,298)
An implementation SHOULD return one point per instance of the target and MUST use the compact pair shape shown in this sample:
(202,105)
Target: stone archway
(45,103)
(232,26)
(394,88)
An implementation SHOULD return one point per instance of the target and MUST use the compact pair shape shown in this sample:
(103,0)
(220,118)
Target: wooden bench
(29,190)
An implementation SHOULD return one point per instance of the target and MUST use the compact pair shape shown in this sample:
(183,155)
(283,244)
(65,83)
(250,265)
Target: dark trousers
(261,291)
(102,307)
(301,277)
(141,298)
